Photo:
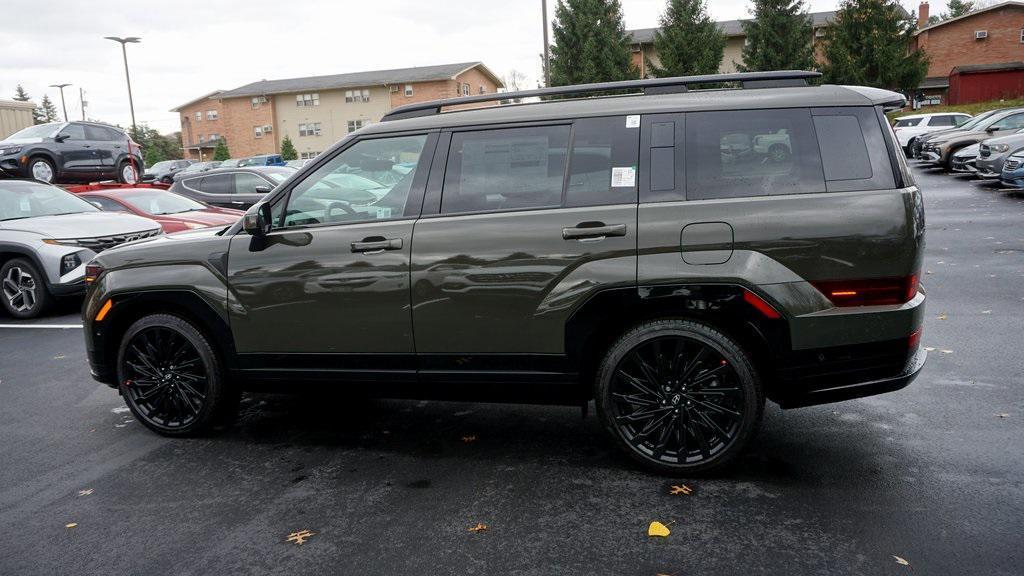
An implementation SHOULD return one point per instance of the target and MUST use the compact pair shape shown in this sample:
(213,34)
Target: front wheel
(42,169)
(24,289)
(171,378)
(678,396)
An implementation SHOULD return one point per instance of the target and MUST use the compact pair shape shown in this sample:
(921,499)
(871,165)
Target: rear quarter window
(854,153)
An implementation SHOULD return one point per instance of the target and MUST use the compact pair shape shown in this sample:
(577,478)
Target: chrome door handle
(593,231)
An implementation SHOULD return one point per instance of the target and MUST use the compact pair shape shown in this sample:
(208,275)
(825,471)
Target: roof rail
(775,79)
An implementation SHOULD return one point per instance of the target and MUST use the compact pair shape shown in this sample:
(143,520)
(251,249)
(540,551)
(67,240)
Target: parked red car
(173,211)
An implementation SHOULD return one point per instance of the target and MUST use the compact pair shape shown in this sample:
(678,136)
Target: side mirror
(991,129)
(258,222)
(60,138)
(263,189)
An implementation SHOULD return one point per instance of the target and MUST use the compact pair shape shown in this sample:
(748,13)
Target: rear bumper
(827,388)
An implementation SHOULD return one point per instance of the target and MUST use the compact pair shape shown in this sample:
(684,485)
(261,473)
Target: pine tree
(778,37)
(689,41)
(957,8)
(869,44)
(47,111)
(20,95)
(590,43)
(288,149)
(220,153)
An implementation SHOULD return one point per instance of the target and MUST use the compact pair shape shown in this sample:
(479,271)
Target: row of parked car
(170,171)
(989,145)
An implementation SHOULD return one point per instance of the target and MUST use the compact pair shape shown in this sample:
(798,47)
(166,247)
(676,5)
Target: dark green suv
(675,255)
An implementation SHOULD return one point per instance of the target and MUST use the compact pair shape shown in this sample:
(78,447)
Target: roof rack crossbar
(747,80)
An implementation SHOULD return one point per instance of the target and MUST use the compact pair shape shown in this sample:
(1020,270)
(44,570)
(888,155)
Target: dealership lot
(931,474)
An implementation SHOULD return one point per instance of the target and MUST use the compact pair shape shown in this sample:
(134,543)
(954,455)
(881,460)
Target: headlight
(1000,147)
(69,262)
(10,150)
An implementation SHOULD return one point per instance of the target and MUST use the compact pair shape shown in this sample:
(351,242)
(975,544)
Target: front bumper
(930,156)
(990,167)
(10,166)
(966,165)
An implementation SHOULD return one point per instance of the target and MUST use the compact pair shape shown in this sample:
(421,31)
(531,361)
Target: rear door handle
(593,231)
(376,245)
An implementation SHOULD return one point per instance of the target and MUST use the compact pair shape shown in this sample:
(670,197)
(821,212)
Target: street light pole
(127,77)
(547,58)
(62,105)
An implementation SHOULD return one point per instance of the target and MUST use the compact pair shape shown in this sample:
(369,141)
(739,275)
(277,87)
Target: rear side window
(944,121)
(602,166)
(907,123)
(505,169)
(751,153)
(105,204)
(218,184)
(854,155)
(246,183)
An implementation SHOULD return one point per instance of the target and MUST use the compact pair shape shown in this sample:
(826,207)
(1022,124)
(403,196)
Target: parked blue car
(264,160)
(1012,174)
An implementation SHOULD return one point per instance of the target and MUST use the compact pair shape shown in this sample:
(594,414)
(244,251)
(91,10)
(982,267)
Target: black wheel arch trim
(21,251)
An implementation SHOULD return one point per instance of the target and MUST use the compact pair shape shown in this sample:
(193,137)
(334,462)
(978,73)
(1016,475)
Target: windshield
(39,131)
(158,202)
(19,199)
(162,165)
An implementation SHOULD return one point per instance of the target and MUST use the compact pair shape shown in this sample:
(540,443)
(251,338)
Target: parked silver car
(964,159)
(994,151)
(47,235)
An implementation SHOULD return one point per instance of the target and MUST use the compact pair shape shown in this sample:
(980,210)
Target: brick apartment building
(642,42)
(978,56)
(317,111)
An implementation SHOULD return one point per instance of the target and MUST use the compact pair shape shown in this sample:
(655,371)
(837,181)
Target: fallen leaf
(684,489)
(901,561)
(941,316)
(946,351)
(986,311)
(299,538)
(658,529)
(1003,415)
(929,348)
(85,492)
(71,524)
(468,439)
(480,527)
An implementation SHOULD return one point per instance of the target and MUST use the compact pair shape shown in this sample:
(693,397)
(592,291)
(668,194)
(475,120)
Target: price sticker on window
(623,177)
(633,121)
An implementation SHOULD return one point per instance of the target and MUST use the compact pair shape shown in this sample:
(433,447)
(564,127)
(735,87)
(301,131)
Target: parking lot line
(57,326)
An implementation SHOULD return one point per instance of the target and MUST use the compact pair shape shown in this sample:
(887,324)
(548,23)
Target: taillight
(759,303)
(870,292)
(92,272)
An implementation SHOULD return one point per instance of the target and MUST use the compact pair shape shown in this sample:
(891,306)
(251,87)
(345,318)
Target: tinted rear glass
(751,153)
(509,169)
(602,168)
(844,156)
(908,122)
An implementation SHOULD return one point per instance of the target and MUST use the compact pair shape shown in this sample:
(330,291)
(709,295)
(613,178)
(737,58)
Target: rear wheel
(24,289)
(678,396)
(126,173)
(171,378)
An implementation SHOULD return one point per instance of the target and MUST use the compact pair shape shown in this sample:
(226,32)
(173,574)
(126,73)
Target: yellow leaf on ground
(1003,415)
(684,489)
(71,524)
(658,529)
(901,561)
(480,527)
(468,439)
(85,492)
(299,537)
(941,316)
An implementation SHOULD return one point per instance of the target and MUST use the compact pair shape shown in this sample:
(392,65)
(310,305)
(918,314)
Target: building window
(308,155)
(201,139)
(309,129)
(483,90)
(357,95)
(213,137)
(408,87)
(1022,35)
(258,131)
(257,100)
(211,115)
(354,125)
(199,116)
(465,89)
(307,99)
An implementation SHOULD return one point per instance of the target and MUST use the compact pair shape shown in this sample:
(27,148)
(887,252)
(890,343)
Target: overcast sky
(192,47)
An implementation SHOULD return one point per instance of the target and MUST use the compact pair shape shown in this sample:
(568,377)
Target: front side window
(1013,122)
(370,180)
(508,169)
(751,153)
(74,132)
(602,166)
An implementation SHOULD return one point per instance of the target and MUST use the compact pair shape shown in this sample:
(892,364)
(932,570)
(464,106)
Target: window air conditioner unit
(393,89)
(268,128)
(263,99)
(980,34)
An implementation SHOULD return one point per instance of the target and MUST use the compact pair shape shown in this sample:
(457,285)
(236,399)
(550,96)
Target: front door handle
(593,231)
(376,245)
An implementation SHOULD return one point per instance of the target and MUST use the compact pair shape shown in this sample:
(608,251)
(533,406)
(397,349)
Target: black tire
(187,399)
(42,161)
(700,368)
(909,150)
(23,289)
(121,177)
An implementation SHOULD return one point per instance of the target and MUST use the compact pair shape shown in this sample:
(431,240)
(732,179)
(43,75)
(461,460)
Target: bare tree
(513,82)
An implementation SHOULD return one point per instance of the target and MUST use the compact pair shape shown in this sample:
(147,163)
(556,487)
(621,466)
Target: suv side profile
(67,152)
(636,250)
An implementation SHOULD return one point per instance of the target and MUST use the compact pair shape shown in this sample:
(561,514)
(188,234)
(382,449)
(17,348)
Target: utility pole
(127,77)
(62,105)
(547,56)
(81,101)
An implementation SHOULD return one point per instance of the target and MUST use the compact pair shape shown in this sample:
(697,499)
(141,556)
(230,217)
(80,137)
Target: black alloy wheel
(170,376)
(679,396)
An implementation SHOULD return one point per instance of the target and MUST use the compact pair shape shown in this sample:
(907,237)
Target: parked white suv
(908,128)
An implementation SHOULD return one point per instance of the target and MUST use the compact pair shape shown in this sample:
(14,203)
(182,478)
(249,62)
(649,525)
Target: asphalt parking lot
(932,474)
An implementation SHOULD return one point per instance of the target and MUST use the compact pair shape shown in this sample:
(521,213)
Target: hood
(968,151)
(959,135)
(19,141)
(1012,140)
(81,225)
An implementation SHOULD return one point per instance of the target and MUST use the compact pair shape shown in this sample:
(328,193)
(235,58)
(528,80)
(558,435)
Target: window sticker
(383,212)
(623,177)
(633,121)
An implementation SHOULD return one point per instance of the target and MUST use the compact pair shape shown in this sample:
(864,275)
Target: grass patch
(973,109)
